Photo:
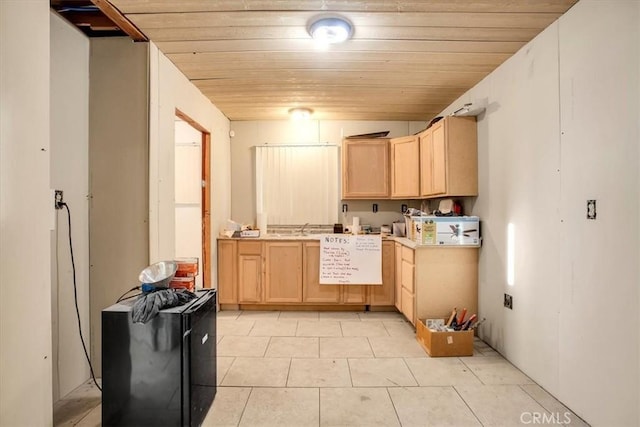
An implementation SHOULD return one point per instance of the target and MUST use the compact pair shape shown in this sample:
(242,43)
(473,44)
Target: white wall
(599,259)
(188,194)
(248,134)
(118,170)
(26,215)
(170,89)
(70,173)
(561,127)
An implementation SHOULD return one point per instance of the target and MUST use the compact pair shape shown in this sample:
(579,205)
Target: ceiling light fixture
(300,113)
(330,29)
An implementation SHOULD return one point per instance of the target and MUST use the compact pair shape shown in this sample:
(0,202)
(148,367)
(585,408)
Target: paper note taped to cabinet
(350,259)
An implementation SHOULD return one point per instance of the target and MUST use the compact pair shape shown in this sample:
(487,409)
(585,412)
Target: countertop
(295,237)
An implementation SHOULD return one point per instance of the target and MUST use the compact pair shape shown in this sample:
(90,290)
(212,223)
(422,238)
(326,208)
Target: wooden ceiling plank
(195,70)
(344,75)
(325,103)
(352,46)
(397,108)
(363,33)
(168,6)
(120,20)
(453,58)
(300,19)
(430,92)
(244,84)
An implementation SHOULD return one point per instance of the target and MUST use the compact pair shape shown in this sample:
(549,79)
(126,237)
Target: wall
(248,134)
(26,215)
(599,148)
(561,127)
(170,89)
(70,173)
(118,165)
(188,194)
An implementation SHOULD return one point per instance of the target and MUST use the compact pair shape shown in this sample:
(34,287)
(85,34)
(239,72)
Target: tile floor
(350,369)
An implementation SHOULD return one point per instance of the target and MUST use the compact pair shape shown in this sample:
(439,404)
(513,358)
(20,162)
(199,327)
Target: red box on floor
(438,344)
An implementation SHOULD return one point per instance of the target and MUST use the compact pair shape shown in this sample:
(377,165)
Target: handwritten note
(350,260)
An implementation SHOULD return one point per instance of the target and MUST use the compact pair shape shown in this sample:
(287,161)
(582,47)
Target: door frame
(206,196)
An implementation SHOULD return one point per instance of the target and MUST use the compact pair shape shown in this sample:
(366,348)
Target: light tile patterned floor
(348,369)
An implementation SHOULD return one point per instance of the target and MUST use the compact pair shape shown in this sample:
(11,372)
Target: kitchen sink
(293,236)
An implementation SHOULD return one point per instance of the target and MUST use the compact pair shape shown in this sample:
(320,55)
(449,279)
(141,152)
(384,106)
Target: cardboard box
(442,344)
(447,230)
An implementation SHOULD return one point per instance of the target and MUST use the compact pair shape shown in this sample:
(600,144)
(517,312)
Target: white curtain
(297,184)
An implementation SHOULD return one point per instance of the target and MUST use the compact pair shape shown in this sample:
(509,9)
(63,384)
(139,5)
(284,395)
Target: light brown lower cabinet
(250,272)
(422,283)
(283,272)
(407,283)
(227,271)
(434,280)
(398,275)
(384,295)
(312,290)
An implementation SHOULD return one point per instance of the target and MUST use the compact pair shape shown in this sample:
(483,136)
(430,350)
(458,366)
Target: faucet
(302,229)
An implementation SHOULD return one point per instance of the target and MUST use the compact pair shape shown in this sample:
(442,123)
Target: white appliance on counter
(446,230)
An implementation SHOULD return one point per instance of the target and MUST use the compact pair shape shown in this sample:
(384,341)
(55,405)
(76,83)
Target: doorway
(193,195)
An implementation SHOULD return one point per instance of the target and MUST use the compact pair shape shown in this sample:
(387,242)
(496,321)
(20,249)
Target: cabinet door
(439,160)
(283,272)
(365,169)
(398,276)
(426,163)
(227,268)
(312,290)
(408,284)
(385,294)
(405,167)
(249,278)
(408,304)
(354,294)
(407,276)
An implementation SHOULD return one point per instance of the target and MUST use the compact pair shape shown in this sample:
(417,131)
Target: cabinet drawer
(408,254)
(249,248)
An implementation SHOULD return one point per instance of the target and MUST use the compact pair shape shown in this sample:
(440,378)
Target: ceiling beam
(119,19)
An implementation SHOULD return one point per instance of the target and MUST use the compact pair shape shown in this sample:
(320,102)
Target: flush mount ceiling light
(330,29)
(300,113)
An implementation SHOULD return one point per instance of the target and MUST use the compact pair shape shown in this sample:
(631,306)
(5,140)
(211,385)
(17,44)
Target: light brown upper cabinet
(449,158)
(365,168)
(405,167)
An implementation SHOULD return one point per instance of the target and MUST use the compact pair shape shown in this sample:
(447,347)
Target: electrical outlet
(591,209)
(375,207)
(345,208)
(58,199)
(508,301)
(404,208)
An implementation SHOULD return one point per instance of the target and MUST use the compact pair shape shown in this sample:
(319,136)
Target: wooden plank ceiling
(407,60)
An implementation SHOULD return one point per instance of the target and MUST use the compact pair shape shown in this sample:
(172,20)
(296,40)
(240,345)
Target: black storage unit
(162,373)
